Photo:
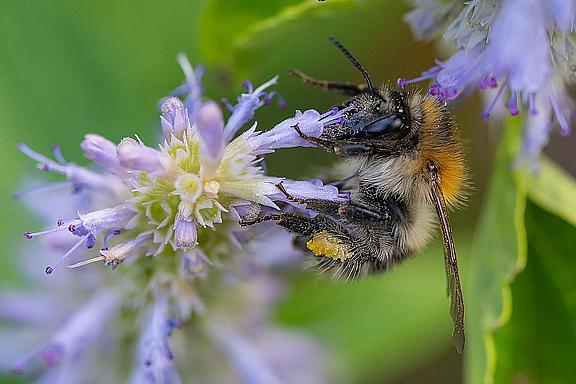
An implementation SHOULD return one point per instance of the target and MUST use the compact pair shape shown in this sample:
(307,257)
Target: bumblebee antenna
(353,60)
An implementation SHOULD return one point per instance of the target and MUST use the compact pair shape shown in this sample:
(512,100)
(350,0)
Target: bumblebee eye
(383,126)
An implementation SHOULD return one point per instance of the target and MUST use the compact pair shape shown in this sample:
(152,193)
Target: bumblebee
(409,166)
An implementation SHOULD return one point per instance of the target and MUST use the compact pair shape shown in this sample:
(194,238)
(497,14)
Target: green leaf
(498,255)
(554,190)
(228,25)
(538,343)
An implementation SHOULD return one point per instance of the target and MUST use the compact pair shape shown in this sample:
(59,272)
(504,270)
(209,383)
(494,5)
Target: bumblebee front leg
(321,206)
(350,211)
(347,89)
(333,146)
(301,225)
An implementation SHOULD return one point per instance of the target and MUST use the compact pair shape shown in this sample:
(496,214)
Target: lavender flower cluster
(523,48)
(190,286)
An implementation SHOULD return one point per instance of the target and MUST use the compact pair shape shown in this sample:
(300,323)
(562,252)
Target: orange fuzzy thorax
(439,143)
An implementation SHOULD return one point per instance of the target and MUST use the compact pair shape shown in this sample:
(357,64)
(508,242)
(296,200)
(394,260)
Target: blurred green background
(69,68)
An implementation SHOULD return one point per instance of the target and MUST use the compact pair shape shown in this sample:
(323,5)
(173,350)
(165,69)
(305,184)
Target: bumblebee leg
(347,89)
(348,210)
(301,225)
(350,150)
(327,145)
(340,149)
(356,212)
(260,219)
(321,206)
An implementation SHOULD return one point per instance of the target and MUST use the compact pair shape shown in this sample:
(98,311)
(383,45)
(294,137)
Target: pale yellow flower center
(188,186)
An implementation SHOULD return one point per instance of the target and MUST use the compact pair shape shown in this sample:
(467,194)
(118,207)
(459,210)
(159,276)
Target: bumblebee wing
(451,264)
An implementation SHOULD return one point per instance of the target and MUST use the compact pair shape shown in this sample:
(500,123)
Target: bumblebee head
(381,120)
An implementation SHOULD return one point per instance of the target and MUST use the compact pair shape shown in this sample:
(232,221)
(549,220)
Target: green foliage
(537,344)
(520,327)
(554,189)
(229,26)
(381,326)
(498,254)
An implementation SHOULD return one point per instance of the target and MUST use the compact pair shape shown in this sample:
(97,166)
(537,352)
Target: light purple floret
(248,103)
(210,124)
(515,57)
(311,123)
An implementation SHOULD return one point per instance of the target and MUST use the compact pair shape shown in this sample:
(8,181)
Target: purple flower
(508,46)
(165,220)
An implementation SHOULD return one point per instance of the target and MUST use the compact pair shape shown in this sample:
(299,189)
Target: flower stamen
(49,269)
(488,110)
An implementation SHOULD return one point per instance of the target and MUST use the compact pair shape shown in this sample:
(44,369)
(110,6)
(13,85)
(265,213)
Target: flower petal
(210,124)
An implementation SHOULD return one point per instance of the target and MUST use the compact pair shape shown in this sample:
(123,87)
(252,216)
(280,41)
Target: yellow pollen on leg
(325,244)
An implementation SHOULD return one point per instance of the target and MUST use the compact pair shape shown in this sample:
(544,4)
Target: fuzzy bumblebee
(408,165)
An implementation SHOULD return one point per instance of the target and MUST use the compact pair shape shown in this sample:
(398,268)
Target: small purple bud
(134,155)
(174,118)
(185,233)
(401,82)
(102,151)
(211,127)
